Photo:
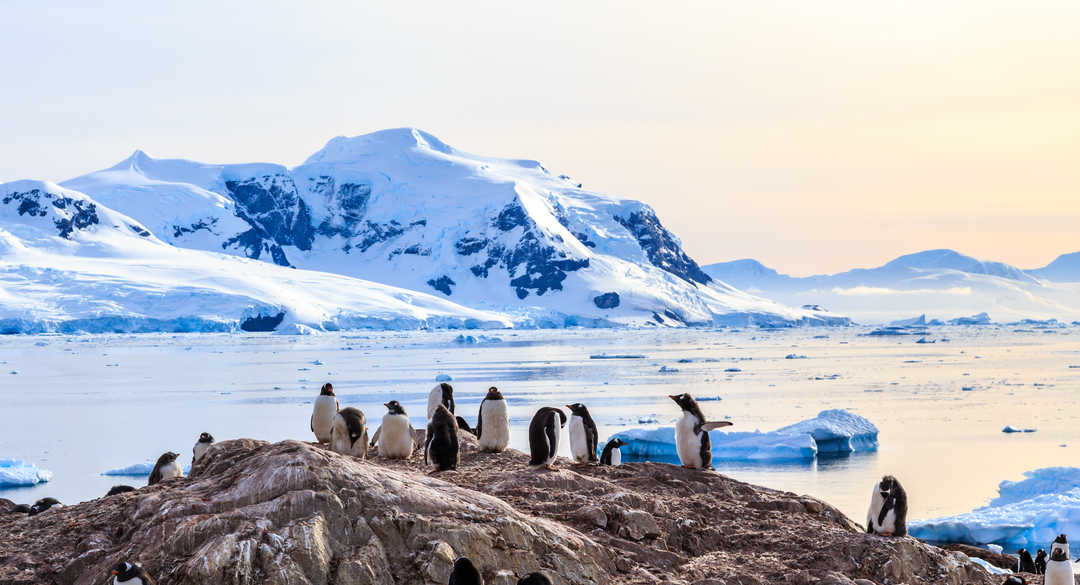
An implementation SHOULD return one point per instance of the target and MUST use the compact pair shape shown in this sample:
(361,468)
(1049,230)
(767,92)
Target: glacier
(1028,513)
(833,432)
(14,472)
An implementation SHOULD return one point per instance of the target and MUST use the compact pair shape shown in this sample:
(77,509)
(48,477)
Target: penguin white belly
(687,442)
(496,426)
(172,470)
(434,399)
(888,526)
(1058,573)
(131,581)
(579,440)
(322,417)
(616,456)
(395,438)
(200,450)
(340,442)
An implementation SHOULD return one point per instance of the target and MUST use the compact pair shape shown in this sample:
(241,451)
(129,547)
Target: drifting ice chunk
(1012,429)
(138,470)
(980,319)
(14,472)
(1027,513)
(444,378)
(833,431)
(919,322)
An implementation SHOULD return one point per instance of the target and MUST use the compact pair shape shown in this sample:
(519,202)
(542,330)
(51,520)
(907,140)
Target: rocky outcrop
(291,512)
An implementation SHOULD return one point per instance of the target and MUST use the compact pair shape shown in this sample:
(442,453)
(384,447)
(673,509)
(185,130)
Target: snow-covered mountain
(402,208)
(1065,268)
(942,284)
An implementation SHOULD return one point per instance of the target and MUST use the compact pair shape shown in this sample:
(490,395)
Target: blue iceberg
(14,472)
(138,470)
(1028,513)
(832,432)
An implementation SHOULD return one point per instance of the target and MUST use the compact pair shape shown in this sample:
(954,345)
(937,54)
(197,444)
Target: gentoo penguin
(443,394)
(348,435)
(544,431)
(493,422)
(395,435)
(322,416)
(692,434)
(204,442)
(887,515)
(465,573)
(167,467)
(126,573)
(534,579)
(1059,569)
(612,455)
(44,504)
(1040,562)
(119,489)
(1024,564)
(464,425)
(583,435)
(441,444)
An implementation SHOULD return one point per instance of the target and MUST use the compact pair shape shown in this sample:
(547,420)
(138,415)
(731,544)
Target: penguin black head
(578,409)
(167,457)
(1059,551)
(494,394)
(394,407)
(206,438)
(1041,553)
(125,571)
(327,390)
(534,579)
(888,485)
(617,442)
(685,402)
(1062,539)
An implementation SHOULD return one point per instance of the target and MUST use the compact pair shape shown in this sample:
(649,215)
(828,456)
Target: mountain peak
(394,140)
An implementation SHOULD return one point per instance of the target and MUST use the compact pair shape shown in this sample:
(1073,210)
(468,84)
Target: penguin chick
(167,467)
(441,443)
(349,435)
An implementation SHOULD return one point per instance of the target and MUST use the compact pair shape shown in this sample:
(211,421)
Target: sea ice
(14,472)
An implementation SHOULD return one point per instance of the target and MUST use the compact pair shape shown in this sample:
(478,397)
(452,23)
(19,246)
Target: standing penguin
(126,573)
(348,435)
(443,394)
(441,443)
(612,455)
(583,435)
(887,515)
(322,415)
(465,573)
(1024,564)
(692,434)
(1059,569)
(1040,562)
(395,435)
(167,467)
(493,422)
(204,442)
(544,431)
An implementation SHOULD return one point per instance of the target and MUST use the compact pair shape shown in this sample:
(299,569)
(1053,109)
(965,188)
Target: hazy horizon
(813,138)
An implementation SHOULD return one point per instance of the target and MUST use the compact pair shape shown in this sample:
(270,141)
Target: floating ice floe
(138,470)
(617,356)
(444,378)
(476,339)
(667,370)
(832,431)
(1028,513)
(14,472)
(1012,429)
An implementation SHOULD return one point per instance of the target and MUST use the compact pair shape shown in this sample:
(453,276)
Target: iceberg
(1027,513)
(138,470)
(14,472)
(832,432)
(980,319)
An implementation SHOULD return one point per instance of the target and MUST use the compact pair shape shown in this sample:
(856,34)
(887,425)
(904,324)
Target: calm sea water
(81,405)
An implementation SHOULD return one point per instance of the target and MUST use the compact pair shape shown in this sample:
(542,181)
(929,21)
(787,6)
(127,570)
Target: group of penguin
(1056,569)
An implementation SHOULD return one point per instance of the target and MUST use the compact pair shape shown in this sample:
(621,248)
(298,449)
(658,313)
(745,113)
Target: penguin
(534,579)
(544,431)
(1024,564)
(20,509)
(322,415)
(201,446)
(44,504)
(443,394)
(348,434)
(441,443)
(692,434)
(395,435)
(119,489)
(1040,562)
(167,467)
(583,435)
(464,425)
(887,515)
(465,573)
(493,422)
(612,455)
(125,573)
(1059,569)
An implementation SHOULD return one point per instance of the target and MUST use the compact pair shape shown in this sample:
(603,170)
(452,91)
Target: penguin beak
(568,406)
(675,398)
(386,404)
(114,572)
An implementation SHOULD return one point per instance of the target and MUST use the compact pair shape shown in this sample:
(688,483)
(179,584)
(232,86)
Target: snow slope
(942,284)
(403,208)
(1065,268)
(69,264)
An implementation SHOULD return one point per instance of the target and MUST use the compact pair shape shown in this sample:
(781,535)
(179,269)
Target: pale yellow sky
(812,136)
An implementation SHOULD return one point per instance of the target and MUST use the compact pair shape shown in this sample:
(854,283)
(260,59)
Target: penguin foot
(551,467)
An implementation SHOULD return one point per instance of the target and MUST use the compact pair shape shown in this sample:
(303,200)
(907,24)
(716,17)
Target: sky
(813,136)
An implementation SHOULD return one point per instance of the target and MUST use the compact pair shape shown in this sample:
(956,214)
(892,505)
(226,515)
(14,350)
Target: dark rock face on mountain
(276,213)
(661,247)
(68,214)
(253,512)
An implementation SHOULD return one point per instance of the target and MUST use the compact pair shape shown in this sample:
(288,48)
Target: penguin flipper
(711,426)
(480,419)
(594,442)
(375,437)
(550,431)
